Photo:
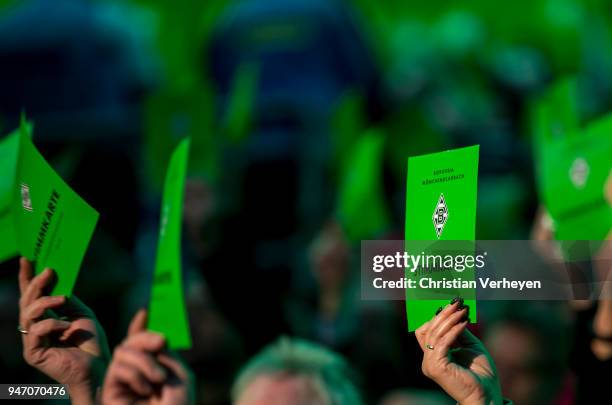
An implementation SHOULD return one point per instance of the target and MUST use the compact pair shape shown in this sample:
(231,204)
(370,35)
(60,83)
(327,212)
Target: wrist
(87,391)
(82,394)
(482,401)
(502,401)
(491,396)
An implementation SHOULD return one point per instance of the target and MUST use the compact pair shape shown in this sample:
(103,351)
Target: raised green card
(554,115)
(441,199)
(9,151)
(53,224)
(361,205)
(575,170)
(167,313)
(573,164)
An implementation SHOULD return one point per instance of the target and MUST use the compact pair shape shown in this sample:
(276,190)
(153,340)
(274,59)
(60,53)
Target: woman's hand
(456,360)
(72,349)
(142,372)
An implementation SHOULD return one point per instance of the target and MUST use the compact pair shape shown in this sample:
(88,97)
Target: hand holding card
(440,205)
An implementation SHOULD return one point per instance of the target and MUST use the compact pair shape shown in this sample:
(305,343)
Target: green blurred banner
(167,314)
(441,199)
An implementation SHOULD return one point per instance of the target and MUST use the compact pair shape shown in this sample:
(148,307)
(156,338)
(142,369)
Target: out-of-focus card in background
(361,188)
(572,165)
(441,200)
(9,151)
(167,313)
(576,169)
(53,224)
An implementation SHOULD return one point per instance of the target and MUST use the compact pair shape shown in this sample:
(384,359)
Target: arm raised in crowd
(143,372)
(602,321)
(456,360)
(61,336)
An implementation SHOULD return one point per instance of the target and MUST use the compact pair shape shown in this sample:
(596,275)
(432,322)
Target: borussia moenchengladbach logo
(440,215)
(579,173)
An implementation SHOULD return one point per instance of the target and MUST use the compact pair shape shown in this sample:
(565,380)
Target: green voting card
(53,225)
(167,314)
(557,112)
(573,164)
(9,147)
(440,206)
(361,206)
(575,169)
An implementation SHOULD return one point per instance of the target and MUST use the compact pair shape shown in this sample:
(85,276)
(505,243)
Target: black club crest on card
(440,215)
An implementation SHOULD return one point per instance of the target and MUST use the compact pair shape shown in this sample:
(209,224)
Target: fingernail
(466,316)
(50,273)
(439,310)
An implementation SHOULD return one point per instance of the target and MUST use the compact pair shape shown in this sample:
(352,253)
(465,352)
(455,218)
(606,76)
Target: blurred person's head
(530,348)
(330,255)
(292,371)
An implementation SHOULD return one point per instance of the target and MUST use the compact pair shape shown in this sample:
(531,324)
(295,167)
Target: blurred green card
(574,170)
(9,147)
(361,206)
(53,224)
(167,314)
(555,115)
(440,206)
(572,164)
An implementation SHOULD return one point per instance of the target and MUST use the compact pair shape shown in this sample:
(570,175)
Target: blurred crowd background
(302,115)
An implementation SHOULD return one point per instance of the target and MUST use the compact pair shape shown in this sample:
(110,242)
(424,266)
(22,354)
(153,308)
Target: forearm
(602,322)
(602,331)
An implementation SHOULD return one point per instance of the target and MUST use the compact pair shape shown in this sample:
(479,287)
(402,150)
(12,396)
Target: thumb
(139,322)
(467,339)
